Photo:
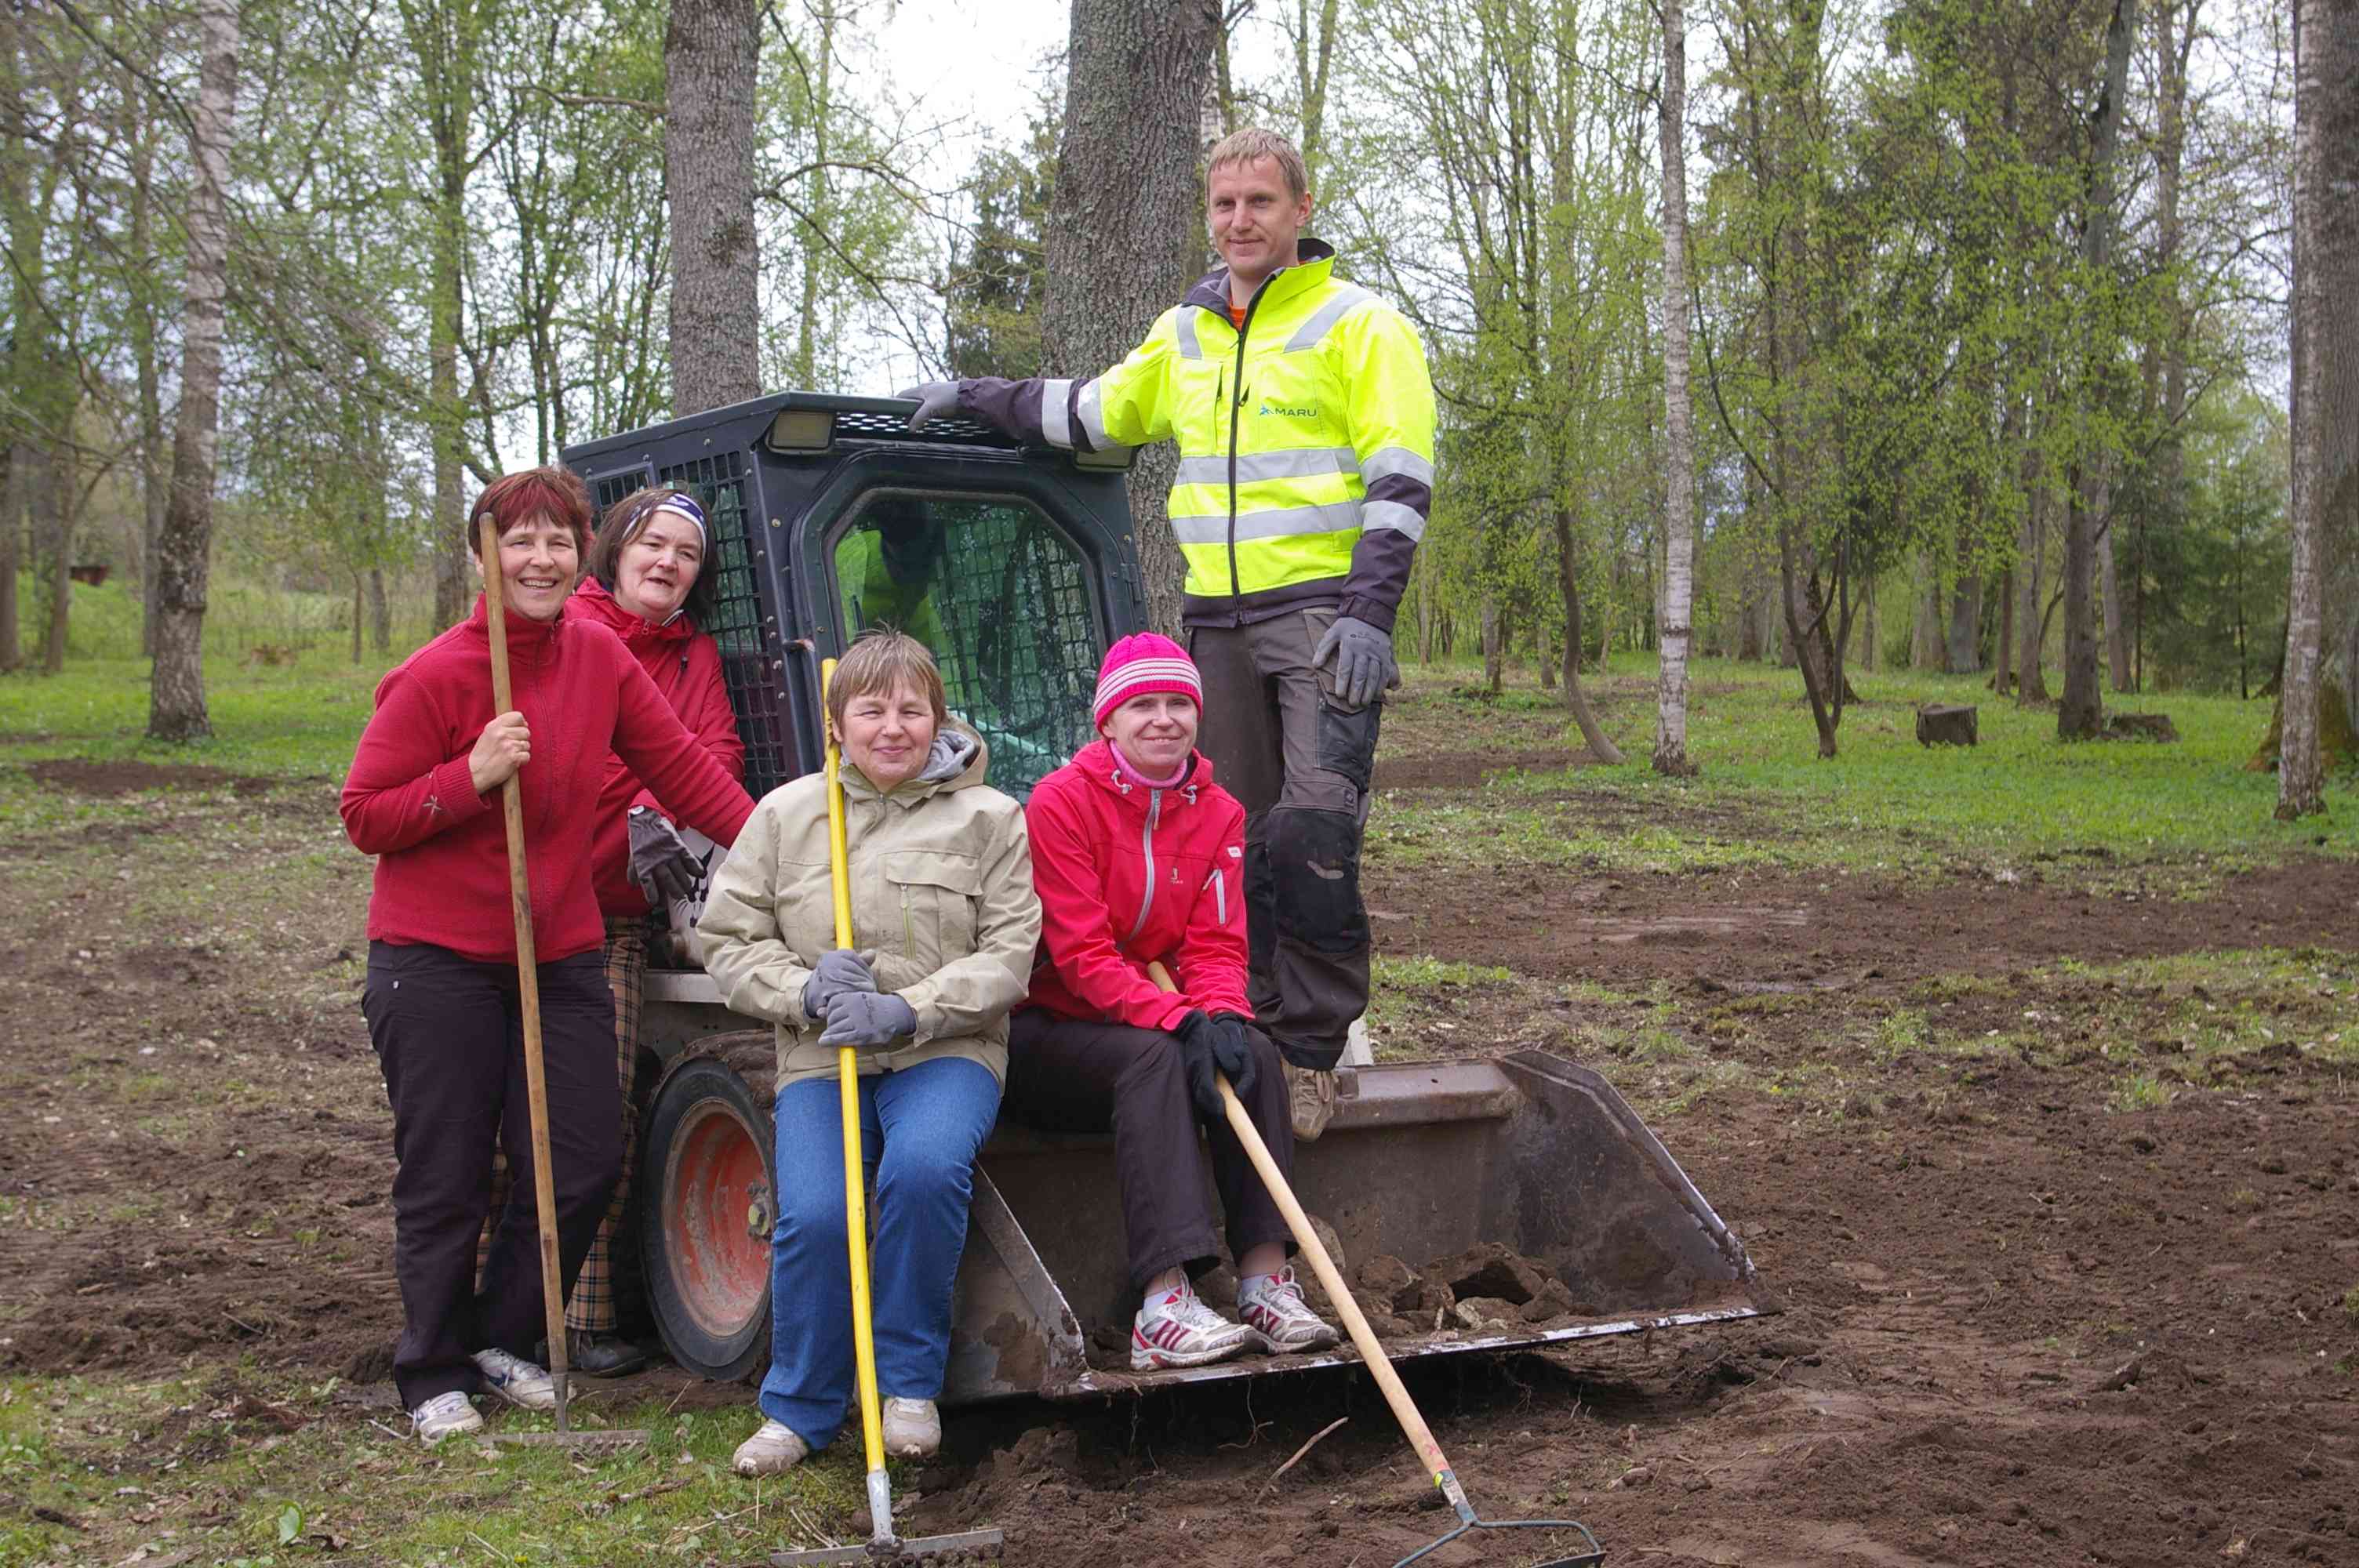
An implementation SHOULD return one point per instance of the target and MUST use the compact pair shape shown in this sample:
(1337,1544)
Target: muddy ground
(2064,1275)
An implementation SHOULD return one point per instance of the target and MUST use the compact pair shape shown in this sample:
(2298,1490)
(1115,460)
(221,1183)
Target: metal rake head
(1593,1558)
(968,1546)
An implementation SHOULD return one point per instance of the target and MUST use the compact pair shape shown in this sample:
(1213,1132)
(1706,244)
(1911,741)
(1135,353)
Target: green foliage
(994,292)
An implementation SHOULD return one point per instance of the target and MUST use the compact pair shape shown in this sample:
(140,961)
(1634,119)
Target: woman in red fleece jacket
(646,584)
(440,997)
(1138,857)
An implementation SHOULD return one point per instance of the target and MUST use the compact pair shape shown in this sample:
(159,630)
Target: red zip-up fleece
(685,664)
(1130,875)
(442,867)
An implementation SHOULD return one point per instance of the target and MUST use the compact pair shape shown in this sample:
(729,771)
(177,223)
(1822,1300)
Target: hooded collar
(1316,265)
(530,642)
(1099,765)
(595,599)
(957,760)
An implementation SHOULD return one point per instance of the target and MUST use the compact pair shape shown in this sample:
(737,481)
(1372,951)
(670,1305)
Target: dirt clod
(1491,1270)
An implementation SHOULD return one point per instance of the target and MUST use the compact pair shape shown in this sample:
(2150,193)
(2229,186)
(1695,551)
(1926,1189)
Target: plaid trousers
(591,1308)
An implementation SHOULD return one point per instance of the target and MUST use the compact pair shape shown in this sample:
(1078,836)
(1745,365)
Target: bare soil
(2021,1324)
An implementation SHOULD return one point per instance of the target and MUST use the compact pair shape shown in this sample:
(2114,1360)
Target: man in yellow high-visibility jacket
(1304,415)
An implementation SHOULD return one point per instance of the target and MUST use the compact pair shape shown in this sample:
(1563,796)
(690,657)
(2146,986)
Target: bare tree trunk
(11,508)
(2325,365)
(176,709)
(1679,414)
(1870,631)
(445,36)
(2003,655)
(2080,714)
(57,505)
(1962,653)
(380,614)
(815,193)
(1314,52)
(1492,661)
(2109,590)
(1576,701)
(1926,649)
(18,152)
(154,459)
(357,586)
(711,51)
(1126,221)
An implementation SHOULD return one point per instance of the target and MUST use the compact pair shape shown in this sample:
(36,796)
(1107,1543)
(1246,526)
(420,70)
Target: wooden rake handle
(1356,1322)
(536,1082)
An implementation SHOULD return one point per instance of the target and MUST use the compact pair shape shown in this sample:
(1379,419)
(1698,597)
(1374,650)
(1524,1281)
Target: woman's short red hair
(513,498)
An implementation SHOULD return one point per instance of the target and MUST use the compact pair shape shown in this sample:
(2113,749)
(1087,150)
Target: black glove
(836,972)
(661,862)
(1364,659)
(1208,1044)
(868,1020)
(935,400)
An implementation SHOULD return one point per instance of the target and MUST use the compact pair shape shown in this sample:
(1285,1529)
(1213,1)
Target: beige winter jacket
(942,903)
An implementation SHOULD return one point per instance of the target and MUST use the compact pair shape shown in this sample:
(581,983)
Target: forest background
(1989,303)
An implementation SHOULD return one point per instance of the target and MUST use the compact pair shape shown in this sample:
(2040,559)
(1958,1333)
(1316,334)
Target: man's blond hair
(879,662)
(1253,142)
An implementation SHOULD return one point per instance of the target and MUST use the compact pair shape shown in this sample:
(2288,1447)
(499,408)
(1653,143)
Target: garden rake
(1380,1366)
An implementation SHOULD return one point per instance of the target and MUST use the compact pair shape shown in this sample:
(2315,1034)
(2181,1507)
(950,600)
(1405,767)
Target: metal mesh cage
(747,666)
(1002,597)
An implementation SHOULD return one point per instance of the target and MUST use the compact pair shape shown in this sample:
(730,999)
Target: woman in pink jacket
(1138,857)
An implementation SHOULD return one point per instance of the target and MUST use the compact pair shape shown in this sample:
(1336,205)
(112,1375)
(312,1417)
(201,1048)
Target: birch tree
(1679,412)
(183,554)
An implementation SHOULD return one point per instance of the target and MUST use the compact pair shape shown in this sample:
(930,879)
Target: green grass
(2021,802)
(238,1466)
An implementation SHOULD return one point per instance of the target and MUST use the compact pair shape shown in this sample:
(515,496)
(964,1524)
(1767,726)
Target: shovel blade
(933,1551)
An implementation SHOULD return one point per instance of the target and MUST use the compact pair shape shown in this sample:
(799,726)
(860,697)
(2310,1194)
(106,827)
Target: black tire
(708,1278)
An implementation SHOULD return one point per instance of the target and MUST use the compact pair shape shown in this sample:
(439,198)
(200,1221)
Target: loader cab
(1016,567)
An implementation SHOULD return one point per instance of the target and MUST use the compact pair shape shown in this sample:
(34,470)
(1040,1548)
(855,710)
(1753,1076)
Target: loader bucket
(1422,1162)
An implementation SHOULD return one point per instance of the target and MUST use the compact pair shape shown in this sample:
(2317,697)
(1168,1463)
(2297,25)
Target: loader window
(1002,597)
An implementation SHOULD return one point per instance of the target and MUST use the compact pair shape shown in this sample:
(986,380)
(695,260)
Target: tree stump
(1946,724)
(2139,726)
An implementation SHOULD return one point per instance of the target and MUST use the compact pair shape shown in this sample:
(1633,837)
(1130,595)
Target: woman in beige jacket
(944,921)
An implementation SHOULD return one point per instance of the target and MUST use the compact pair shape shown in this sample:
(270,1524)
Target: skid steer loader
(1018,567)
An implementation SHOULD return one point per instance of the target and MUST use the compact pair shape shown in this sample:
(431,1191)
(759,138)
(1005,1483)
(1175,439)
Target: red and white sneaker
(1281,1319)
(1177,1329)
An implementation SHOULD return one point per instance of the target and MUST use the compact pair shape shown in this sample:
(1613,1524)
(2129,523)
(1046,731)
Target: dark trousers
(449,1034)
(1299,761)
(1070,1076)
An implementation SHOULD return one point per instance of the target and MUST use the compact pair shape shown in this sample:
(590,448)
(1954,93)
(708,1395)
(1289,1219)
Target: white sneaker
(913,1429)
(1282,1319)
(774,1448)
(444,1415)
(517,1380)
(1177,1329)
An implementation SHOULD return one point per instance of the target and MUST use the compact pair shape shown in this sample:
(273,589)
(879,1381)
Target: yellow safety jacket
(1306,439)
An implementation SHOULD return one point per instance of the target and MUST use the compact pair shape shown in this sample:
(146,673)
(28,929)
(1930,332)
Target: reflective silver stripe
(1189,349)
(1300,462)
(1093,417)
(1219,896)
(1273,524)
(1310,334)
(1056,422)
(1388,462)
(1393,514)
(1146,848)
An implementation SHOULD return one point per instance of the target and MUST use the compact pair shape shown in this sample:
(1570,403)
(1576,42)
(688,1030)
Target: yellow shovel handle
(847,1074)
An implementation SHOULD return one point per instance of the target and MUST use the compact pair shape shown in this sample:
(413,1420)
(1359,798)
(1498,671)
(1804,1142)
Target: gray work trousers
(1299,759)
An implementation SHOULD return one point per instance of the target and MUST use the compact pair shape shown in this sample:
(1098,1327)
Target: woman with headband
(646,584)
(441,999)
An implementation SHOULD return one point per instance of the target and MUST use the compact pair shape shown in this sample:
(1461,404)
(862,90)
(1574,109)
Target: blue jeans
(919,1130)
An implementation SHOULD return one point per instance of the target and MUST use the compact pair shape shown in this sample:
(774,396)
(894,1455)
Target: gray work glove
(868,1020)
(935,400)
(661,862)
(836,972)
(1364,660)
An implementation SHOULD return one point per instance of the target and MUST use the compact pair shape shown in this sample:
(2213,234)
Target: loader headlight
(802,430)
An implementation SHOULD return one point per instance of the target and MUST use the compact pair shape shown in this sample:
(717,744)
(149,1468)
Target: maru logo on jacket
(1290,410)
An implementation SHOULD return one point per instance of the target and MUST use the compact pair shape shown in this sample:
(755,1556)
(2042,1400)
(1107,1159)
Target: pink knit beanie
(1141,663)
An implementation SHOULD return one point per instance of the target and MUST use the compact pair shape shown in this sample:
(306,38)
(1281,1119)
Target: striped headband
(679,502)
